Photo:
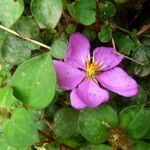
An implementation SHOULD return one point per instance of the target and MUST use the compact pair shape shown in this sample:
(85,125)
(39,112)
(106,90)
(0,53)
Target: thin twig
(48,124)
(26,38)
(48,47)
(119,28)
(50,140)
(47,137)
(135,61)
(143,29)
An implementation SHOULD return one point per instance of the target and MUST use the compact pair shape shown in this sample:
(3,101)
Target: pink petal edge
(91,94)
(78,50)
(106,57)
(118,81)
(76,102)
(67,76)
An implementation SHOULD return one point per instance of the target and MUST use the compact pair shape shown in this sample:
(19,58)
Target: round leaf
(107,9)
(34,81)
(20,131)
(141,146)
(27,27)
(135,120)
(7,100)
(59,47)
(123,42)
(46,12)
(89,33)
(66,123)
(93,123)
(106,33)
(142,55)
(10,11)
(3,35)
(4,145)
(140,98)
(70,28)
(83,11)
(16,50)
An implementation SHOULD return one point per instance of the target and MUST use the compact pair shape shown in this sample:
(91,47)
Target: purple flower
(82,74)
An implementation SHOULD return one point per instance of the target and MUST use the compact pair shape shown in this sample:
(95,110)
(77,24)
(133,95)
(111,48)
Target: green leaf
(66,123)
(73,142)
(7,100)
(3,35)
(70,28)
(52,147)
(65,3)
(136,42)
(121,1)
(123,42)
(16,50)
(147,136)
(34,81)
(93,123)
(4,145)
(80,10)
(107,10)
(41,125)
(26,27)
(135,120)
(146,41)
(46,12)
(140,98)
(51,110)
(141,55)
(10,11)
(37,115)
(59,47)
(97,147)
(106,33)
(20,131)
(141,146)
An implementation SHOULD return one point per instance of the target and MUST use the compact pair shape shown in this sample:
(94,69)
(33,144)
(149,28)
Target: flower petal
(78,50)
(67,76)
(76,102)
(91,94)
(106,57)
(119,82)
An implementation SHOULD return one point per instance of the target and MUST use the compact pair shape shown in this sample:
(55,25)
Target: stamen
(91,67)
(83,60)
(103,66)
(101,63)
(96,63)
(89,58)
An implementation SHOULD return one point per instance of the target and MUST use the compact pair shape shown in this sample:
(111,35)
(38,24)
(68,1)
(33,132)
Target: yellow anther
(91,68)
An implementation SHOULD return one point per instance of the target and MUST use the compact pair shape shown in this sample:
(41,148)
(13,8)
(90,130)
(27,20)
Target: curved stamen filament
(92,67)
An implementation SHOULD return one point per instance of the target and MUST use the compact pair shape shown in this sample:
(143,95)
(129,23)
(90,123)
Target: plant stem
(48,47)
(26,38)
(119,28)
(135,61)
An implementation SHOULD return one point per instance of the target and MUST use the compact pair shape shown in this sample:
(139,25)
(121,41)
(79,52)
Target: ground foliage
(34,112)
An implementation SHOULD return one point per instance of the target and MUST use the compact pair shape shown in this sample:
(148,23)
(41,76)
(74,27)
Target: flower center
(91,68)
